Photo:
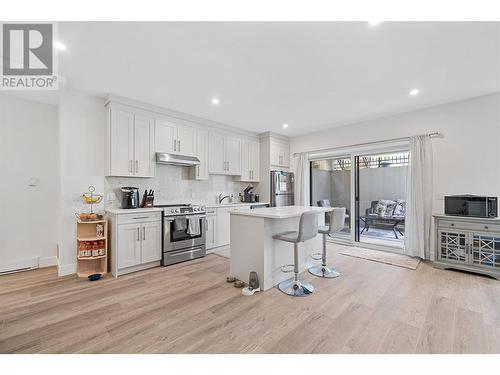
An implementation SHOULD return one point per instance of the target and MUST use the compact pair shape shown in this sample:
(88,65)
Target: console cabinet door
(453,246)
(121,148)
(129,245)
(151,242)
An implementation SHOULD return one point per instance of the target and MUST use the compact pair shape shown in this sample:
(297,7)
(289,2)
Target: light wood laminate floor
(189,308)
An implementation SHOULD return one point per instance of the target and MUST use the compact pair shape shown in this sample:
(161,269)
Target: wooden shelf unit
(86,231)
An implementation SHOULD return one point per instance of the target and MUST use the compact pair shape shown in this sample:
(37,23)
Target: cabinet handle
(452,224)
(486,227)
(175,143)
(137,166)
(179,145)
(144,233)
(130,167)
(138,234)
(138,218)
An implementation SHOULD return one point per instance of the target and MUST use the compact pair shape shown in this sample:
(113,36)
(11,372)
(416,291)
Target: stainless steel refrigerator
(282,189)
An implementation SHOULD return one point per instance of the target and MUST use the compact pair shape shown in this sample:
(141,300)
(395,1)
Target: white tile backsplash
(174,184)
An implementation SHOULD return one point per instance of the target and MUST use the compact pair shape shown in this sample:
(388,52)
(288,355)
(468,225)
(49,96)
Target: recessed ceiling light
(60,46)
(374,23)
(285,126)
(414,92)
(215,101)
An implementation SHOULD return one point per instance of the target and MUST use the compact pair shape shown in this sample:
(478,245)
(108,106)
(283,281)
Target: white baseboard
(66,269)
(19,264)
(47,261)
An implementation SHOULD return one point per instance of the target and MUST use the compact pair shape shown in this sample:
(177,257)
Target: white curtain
(302,179)
(419,198)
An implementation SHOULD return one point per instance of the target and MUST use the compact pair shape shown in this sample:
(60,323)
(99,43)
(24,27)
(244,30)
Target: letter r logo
(27,49)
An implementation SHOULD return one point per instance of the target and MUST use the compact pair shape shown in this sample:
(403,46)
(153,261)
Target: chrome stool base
(323,271)
(296,288)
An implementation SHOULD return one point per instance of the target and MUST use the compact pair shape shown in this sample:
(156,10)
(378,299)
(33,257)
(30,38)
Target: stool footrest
(317,256)
(287,268)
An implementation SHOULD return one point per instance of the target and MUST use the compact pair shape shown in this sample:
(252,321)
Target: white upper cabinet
(175,139)
(165,136)
(130,144)
(224,154)
(121,143)
(280,154)
(144,146)
(250,161)
(201,170)
(186,140)
(233,155)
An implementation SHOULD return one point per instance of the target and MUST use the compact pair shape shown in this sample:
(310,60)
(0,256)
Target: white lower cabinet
(223,226)
(135,241)
(128,238)
(151,242)
(211,234)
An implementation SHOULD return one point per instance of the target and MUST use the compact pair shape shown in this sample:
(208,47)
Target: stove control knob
(172,210)
(196,209)
(177,210)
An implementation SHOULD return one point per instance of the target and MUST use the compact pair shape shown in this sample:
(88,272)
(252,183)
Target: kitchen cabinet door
(121,140)
(233,155)
(285,155)
(216,159)
(275,153)
(128,245)
(211,239)
(202,153)
(186,140)
(151,242)
(254,161)
(165,136)
(245,161)
(144,146)
(223,226)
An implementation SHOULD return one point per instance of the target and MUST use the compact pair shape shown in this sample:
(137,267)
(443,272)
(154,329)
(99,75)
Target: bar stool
(337,220)
(308,228)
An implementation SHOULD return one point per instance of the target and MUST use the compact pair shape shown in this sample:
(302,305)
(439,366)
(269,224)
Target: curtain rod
(432,135)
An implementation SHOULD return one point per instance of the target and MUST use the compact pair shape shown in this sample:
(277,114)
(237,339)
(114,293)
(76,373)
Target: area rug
(383,257)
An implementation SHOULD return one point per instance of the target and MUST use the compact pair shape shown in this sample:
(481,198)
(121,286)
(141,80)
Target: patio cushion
(385,207)
(400,209)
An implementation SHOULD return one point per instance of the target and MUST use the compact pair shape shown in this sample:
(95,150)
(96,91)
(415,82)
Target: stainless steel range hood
(174,159)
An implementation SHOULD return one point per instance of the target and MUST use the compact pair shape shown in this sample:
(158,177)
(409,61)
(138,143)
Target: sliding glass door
(372,188)
(380,198)
(331,186)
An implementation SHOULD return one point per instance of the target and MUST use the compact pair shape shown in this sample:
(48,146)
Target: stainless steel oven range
(184,228)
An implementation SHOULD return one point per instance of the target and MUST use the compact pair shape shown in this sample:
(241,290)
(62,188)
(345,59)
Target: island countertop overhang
(284,212)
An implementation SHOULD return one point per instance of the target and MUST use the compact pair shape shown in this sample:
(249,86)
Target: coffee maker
(130,197)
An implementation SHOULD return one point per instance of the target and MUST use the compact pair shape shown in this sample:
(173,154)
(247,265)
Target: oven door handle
(187,217)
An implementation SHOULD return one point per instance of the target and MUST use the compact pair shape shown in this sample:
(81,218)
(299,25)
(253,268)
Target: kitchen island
(254,249)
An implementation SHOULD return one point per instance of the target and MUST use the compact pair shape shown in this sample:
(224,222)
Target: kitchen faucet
(221,198)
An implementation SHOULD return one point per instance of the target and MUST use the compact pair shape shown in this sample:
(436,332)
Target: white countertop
(284,212)
(119,211)
(217,205)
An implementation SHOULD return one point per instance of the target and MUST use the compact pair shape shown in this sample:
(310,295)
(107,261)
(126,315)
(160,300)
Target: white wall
(81,133)
(466,160)
(28,214)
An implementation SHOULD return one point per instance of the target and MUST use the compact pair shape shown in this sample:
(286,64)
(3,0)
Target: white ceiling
(309,75)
